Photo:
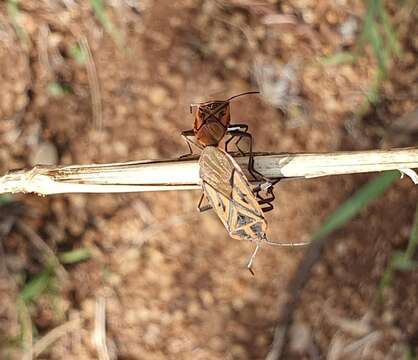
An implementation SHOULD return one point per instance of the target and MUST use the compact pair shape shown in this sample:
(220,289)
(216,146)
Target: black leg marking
(205,207)
(240,127)
(236,143)
(188,136)
(240,135)
(267,199)
(238,132)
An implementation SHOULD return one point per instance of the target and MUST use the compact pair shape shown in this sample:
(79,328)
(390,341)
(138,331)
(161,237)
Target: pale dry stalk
(99,335)
(183,174)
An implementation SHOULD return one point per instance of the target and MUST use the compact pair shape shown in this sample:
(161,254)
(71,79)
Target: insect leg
(250,262)
(236,143)
(265,200)
(251,168)
(240,127)
(269,198)
(236,131)
(203,208)
(240,135)
(188,136)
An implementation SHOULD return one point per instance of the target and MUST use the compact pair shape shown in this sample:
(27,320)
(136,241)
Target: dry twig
(96,99)
(48,254)
(5,227)
(26,325)
(180,174)
(99,335)
(55,334)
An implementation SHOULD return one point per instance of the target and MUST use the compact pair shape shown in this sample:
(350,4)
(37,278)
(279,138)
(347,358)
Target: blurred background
(109,81)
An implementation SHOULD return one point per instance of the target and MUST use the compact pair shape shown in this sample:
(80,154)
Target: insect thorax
(211,122)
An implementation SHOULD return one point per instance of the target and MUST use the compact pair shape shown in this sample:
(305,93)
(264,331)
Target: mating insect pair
(239,206)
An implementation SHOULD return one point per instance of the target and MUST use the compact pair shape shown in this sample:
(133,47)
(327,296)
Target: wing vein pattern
(230,195)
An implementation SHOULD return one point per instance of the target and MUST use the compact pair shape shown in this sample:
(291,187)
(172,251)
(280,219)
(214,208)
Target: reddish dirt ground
(175,286)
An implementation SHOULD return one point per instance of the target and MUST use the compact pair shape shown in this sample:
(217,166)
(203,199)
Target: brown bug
(231,197)
(225,186)
(212,122)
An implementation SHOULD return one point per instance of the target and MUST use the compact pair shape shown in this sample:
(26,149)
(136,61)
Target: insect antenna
(272,243)
(242,94)
(250,262)
(226,101)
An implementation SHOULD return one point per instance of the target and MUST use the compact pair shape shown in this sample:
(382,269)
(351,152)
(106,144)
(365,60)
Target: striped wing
(229,193)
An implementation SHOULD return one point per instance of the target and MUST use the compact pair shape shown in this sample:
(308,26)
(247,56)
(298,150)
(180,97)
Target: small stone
(207,298)
(348,29)
(193,309)
(152,335)
(157,95)
(300,337)
(238,352)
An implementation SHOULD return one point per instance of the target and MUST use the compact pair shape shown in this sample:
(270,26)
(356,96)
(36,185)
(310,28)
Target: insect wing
(229,193)
(220,203)
(217,170)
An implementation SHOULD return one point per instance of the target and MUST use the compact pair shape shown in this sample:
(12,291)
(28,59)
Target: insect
(211,124)
(212,120)
(228,192)
(231,197)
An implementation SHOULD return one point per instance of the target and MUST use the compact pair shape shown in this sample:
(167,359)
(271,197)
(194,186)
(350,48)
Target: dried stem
(55,334)
(96,99)
(48,254)
(183,174)
(99,335)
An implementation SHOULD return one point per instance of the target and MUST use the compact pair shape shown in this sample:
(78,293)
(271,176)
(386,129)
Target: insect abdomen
(230,195)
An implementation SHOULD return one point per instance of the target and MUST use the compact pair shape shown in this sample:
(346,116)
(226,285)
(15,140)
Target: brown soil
(175,285)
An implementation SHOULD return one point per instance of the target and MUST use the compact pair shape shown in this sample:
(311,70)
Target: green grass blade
(413,238)
(25,321)
(98,7)
(410,354)
(401,261)
(358,201)
(373,93)
(385,282)
(339,58)
(367,25)
(378,48)
(100,13)
(14,13)
(36,286)
(58,90)
(5,199)
(74,256)
(377,31)
(393,44)
(79,54)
